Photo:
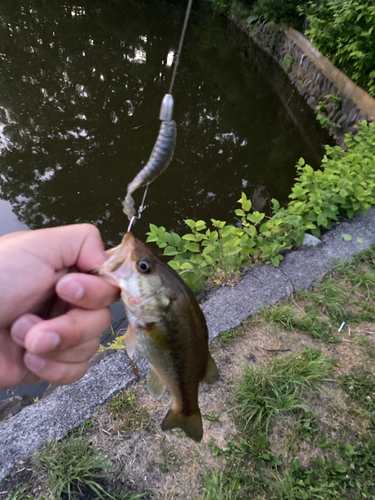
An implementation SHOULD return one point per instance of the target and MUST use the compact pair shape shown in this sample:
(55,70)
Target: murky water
(80,90)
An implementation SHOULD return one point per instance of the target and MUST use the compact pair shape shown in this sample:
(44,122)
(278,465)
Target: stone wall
(309,76)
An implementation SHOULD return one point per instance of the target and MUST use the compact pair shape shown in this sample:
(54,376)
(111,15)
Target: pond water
(80,90)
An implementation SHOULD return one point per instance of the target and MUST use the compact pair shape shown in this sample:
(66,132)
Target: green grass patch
(20,493)
(279,387)
(229,336)
(73,465)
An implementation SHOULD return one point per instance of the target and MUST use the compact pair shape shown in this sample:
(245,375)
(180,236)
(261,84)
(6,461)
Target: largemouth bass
(167,325)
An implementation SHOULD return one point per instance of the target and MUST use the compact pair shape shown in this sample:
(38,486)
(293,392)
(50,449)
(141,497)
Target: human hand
(51,313)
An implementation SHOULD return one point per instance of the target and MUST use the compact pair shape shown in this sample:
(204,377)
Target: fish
(160,158)
(167,325)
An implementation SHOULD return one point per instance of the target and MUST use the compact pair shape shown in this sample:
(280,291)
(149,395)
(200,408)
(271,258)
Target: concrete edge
(360,97)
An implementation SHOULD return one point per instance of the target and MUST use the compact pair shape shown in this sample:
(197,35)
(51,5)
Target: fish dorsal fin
(212,373)
(158,337)
(130,341)
(155,385)
(191,424)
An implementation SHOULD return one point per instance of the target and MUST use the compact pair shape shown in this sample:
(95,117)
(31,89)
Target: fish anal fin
(158,338)
(155,384)
(130,342)
(191,424)
(212,373)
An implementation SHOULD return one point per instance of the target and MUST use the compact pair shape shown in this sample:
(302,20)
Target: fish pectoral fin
(212,373)
(155,385)
(130,342)
(191,424)
(158,338)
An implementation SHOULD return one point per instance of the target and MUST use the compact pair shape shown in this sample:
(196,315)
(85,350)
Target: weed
(212,417)
(309,323)
(229,335)
(362,279)
(367,256)
(321,330)
(360,386)
(369,346)
(288,63)
(279,387)
(132,415)
(72,466)
(169,460)
(89,423)
(216,485)
(280,314)
(325,122)
(19,494)
(307,426)
(290,444)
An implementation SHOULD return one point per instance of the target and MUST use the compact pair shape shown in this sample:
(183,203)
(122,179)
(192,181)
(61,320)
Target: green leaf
(190,223)
(193,247)
(347,237)
(170,251)
(189,237)
(214,236)
(359,240)
(174,239)
(231,250)
(160,243)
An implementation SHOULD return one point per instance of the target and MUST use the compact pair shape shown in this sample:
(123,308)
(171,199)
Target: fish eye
(145,265)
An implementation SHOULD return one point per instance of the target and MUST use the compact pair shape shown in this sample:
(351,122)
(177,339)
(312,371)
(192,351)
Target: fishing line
(180,45)
(166,108)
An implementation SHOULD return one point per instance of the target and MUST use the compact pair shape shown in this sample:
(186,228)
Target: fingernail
(69,288)
(20,328)
(33,362)
(43,342)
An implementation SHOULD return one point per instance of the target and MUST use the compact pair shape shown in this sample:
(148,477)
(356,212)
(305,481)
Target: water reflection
(81,89)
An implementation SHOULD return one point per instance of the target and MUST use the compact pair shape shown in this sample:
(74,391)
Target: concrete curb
(69,406)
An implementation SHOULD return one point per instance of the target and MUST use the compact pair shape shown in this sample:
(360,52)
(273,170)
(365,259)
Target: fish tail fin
(191,424)
(212,373)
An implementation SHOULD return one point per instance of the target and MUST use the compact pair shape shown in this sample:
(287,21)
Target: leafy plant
(344,31)
(288,63)
(325,122)
(344,186)
(307,426)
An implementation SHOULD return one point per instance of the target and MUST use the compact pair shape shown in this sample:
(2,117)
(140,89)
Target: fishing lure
(160,158)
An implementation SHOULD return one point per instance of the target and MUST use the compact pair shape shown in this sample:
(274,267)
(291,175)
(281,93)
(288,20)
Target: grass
(73,465)
(276,404)
(19,494)
(279,387)
(132,416)
(229,336)
(169,460)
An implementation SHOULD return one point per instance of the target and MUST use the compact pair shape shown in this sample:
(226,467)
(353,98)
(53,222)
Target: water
(80,90)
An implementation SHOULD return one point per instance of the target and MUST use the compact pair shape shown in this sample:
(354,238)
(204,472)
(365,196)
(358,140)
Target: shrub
(345,186)
(344,31)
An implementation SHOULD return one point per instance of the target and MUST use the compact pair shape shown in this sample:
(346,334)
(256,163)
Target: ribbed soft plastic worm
(160,158)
